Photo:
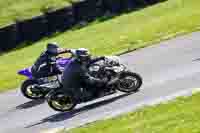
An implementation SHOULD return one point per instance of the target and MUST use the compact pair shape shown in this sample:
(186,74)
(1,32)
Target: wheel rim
(30,93)
(128,83)
(62,102)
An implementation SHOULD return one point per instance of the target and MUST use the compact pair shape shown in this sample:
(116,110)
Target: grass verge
(10,10)
(178,116)
(128,31)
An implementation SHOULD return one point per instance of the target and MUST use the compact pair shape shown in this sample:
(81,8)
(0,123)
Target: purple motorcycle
(33,88)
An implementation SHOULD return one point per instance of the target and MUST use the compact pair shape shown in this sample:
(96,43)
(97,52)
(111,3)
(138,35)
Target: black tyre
(28,90)
(129,82)
(60,101)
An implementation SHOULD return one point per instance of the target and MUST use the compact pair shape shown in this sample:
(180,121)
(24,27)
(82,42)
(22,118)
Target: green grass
(179,116)
(129,31)
(10,10)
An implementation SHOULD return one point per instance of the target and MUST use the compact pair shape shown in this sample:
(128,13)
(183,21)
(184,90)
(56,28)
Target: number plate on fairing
(52,78)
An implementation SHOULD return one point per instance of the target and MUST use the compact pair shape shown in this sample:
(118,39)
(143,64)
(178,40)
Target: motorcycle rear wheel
(61,102)
(27,90)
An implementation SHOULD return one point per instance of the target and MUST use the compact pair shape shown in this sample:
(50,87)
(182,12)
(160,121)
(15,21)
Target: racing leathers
(76,75)
(45,65)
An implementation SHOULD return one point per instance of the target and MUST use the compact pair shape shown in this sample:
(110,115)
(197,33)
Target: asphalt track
(166,68)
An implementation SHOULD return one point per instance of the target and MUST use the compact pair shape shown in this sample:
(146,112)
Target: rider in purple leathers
(45,65)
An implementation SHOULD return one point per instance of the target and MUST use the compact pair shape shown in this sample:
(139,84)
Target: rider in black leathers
(76,73)
(45,65)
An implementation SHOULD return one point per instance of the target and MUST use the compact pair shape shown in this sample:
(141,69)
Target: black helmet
(52,47)
(82,54)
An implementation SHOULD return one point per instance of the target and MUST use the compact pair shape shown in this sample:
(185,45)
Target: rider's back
(41,66)
(72,74)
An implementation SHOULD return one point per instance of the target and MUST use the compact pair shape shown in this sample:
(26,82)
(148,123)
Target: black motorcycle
(111,68)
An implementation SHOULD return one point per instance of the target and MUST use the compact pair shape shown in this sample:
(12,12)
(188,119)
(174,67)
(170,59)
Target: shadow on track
(26,105)
(67,115)
(196,60)
(30,104)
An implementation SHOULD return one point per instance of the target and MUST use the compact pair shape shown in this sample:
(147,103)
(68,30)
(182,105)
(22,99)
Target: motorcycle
(33,88)
(124,81)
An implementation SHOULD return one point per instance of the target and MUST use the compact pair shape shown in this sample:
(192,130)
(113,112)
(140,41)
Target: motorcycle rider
(76,73)
(45,65)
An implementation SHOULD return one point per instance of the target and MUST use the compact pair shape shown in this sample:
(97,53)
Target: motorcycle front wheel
(129,82)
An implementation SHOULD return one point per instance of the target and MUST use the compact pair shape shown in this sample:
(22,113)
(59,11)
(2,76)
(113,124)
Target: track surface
(166,68)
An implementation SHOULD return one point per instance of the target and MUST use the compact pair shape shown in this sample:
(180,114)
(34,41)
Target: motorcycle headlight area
(112,60)
(118,69)
(94,68)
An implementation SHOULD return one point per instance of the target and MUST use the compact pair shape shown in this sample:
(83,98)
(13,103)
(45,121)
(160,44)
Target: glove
(103,57)
(104,80)
(113,81)
(67,50)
